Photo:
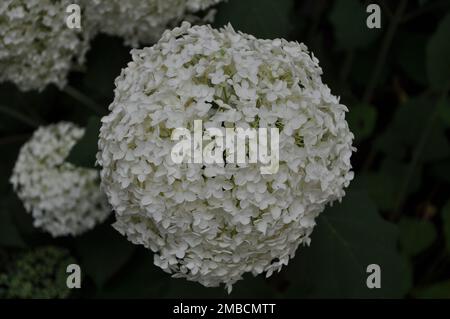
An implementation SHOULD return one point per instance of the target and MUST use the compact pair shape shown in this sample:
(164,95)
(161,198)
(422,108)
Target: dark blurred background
(395,81)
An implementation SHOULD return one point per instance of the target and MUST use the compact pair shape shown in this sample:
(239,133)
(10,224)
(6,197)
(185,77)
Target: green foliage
(40,273)
(9,234)
(416,235)
(346,240)
(439,290)
(438,51)
(103,253)
(446,224)
(348,18)
(263,18)
(362,121)
(84,152)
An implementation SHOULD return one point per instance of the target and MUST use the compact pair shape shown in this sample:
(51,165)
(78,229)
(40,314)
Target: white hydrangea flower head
(37,48)
(139,21)
(63,199)
(213,223)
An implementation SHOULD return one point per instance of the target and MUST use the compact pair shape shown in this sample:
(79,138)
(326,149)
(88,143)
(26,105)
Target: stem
(19,116)
(83,99)
(383,52)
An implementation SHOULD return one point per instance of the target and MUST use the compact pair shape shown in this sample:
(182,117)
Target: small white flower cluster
(212,223)
(36,47)
(63,199)
(140,21)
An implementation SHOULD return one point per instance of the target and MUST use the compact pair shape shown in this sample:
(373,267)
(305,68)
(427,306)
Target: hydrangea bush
(213,223)
(63,199)
(36,47)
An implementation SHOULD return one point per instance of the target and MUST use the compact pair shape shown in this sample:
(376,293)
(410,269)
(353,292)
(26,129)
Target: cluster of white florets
(63,199)
(209,222)
(36,46)
(140,21)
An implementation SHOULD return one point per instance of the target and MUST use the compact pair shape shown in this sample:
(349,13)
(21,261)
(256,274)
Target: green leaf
(261,18)
(405,130)
(438,52)
(349,237)
(84,152)
(103,252)
(416,235)
(383,186)
(140,278)
(104,62)
(348,18)
(441,171)
(410,52)
(362,119)
(446,224)
(437,291)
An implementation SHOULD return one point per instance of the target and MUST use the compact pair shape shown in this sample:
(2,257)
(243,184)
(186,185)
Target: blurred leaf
(362,119)
(105,60)
(410,49)
(438,52)
(84,152)
(383,185)
(349,237)
(362,67)
(437,291)
(262,18)
(406,128)
(446,224)
(138,279)
(181,288)
(416,235)
(9,235)
(348,18)
(103,252)
(441,170)
(444,112)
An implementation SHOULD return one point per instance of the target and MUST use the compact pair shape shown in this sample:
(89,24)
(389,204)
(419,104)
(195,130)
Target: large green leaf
(349,237)
(348,18)
(140,278)
(103,252)
(410,52)
(384,185)
(84,152)
(416,235)
(261,18)
(406,129)
(438,52)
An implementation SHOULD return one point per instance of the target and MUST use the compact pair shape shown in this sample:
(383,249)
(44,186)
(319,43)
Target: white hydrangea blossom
(139,21)
(212,223)
(63,199)
(36,46)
